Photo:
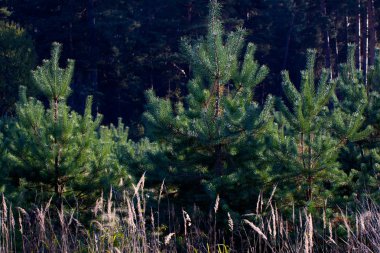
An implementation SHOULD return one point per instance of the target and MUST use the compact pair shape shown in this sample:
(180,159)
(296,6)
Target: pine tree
(310,136)
(215,136)
(125,153)
(361,159)
(351,105)
(55,149)
(373,119)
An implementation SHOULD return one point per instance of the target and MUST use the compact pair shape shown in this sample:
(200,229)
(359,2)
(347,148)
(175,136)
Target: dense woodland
(123,48)
(176,126)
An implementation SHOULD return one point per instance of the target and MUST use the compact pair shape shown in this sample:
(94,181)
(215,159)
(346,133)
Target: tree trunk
(310,168)
(347,24)
(365,44)
(358,36)
(287,44)
(57,184)
(217,114)
(372,32)
(93,75)
(58,189)
(189,11)
(327,49)
(219,160)
(336,50)
(219,94)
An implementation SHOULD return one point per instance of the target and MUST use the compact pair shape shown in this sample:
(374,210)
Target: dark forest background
(122,48)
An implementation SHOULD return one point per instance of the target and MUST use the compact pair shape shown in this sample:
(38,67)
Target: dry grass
(123,224)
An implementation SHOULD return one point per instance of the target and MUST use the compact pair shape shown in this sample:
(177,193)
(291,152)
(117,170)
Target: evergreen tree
(215,136)
(55,148)
(126,153)
(17,59)
(353,97)
(310,136)
(373,119)
(361,159)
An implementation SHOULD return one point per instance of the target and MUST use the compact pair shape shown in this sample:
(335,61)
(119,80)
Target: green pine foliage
(372,152)
(361,158)
(303,146)
(131,156)
(215,136)
(349,117)
(53,149)
(310,134)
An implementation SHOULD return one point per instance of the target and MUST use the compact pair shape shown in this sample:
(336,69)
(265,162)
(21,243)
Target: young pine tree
(361,159)
(373,119)
(310,135)
(352,93)
(214,136)
(54,149)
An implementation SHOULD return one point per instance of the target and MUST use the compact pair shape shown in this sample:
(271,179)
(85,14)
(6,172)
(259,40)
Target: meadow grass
(124,224)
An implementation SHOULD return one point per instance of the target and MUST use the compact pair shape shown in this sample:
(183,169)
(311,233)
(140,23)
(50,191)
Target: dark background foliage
(124,47)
